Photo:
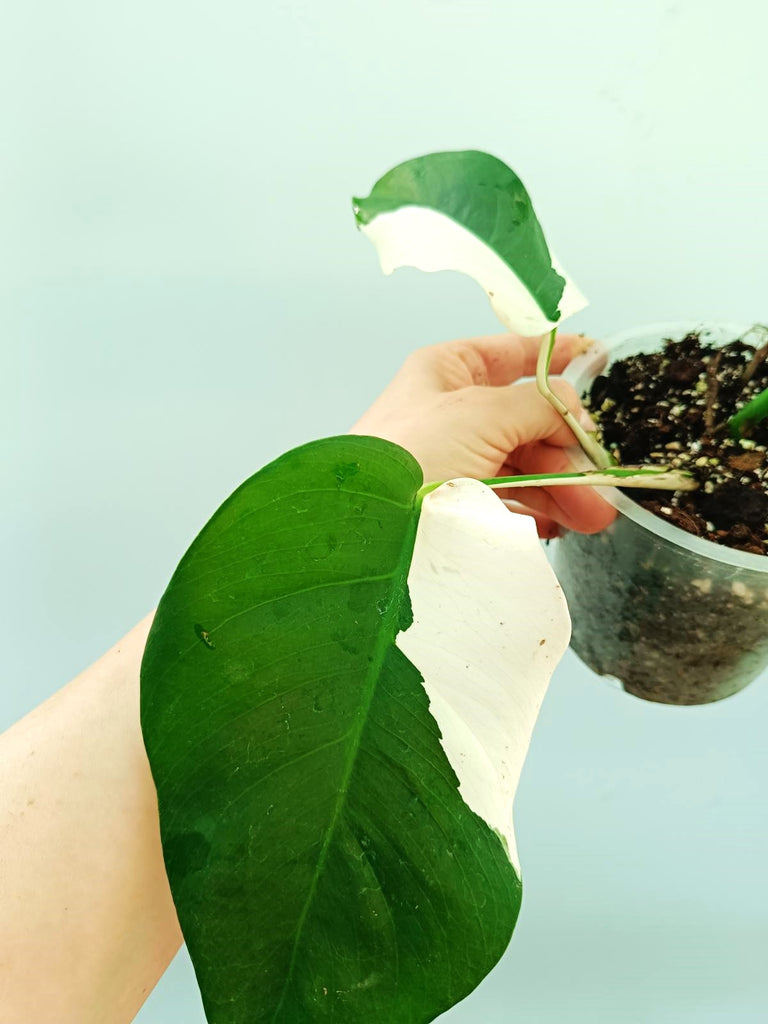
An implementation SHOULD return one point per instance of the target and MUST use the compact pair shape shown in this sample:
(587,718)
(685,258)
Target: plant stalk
(594,451)
(625,476)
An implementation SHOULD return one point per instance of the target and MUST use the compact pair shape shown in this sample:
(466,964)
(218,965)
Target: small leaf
(335,762)
(468,211)
(754,412)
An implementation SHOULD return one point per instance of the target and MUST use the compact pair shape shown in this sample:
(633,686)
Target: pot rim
(582,370)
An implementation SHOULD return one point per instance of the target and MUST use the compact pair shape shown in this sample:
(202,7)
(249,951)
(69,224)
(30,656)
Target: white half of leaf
(415,236)
(490,625)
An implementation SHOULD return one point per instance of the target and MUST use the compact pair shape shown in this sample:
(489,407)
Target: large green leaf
(468,211)
(336,831)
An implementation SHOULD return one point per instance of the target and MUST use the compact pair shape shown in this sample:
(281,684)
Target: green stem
(626,476)
(589,445)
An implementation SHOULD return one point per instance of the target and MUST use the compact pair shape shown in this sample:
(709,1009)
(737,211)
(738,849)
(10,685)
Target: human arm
(87,923)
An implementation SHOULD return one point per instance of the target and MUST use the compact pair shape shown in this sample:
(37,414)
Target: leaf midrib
(387,635)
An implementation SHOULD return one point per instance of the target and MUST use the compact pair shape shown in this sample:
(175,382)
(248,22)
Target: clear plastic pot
(673,617)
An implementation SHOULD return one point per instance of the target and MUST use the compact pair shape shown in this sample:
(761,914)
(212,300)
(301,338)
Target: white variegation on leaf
(490,625)
(336,707)
(418,237)
(468,211)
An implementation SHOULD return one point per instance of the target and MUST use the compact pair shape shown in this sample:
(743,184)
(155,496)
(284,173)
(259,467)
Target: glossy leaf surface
(468,211)
(323,861)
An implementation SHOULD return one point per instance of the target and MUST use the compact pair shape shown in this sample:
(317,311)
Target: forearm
(87,924)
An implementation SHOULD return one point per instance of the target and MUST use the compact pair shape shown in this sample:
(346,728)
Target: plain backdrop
(183,296)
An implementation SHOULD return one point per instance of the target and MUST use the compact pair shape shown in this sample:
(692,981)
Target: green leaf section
(321,859)
(484,196)
(754,412)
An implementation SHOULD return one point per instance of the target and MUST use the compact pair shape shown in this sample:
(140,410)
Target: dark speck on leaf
(202,634)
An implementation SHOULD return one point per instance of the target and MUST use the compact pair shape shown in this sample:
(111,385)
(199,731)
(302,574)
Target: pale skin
(87,923)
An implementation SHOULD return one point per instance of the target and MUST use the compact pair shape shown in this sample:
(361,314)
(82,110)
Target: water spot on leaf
(323,546)
(202,634)
(346,470)
(382,606)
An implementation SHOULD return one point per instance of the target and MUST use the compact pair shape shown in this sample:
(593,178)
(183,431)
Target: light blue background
(183,296)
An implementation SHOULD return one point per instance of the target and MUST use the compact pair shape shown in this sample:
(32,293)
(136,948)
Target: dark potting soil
(672,408)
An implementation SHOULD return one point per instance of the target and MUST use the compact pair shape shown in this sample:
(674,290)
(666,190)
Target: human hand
(462,411)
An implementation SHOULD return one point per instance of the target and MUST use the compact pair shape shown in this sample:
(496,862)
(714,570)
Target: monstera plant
(340,684)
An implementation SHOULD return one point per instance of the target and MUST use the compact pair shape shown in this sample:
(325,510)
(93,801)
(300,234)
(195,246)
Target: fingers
(577,508)
(441,409)
(495,360)
(524,416)
(538,439)
(509,357)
